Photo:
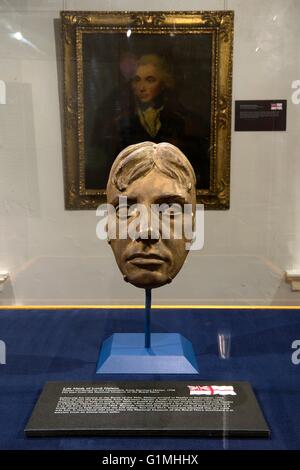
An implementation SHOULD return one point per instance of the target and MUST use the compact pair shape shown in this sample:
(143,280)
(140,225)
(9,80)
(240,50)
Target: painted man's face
(153,261)
(147,83)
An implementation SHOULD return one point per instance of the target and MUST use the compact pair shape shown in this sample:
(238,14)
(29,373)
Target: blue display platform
(169,353)
(57,345)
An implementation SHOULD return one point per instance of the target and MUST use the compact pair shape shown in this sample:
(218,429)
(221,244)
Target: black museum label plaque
(260,115)
(147,408)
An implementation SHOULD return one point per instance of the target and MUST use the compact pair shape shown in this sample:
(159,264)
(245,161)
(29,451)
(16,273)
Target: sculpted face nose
(147,234)
(148,230)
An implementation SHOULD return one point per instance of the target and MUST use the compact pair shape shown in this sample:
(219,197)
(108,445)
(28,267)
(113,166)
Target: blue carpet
(45,345)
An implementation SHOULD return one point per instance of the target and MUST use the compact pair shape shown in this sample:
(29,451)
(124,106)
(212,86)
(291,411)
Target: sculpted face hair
(162,66)
(138,160)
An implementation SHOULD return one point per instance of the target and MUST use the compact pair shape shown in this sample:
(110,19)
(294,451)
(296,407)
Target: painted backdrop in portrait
(146,88)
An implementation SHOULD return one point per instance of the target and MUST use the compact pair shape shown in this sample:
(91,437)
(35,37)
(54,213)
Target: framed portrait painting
(131,77)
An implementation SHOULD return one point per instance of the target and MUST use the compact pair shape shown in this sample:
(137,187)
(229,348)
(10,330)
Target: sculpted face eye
(126,211)
(122,211)
(133,211)
(171,210)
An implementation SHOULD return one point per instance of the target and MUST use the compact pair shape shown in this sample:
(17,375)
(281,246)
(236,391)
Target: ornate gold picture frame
(136,76)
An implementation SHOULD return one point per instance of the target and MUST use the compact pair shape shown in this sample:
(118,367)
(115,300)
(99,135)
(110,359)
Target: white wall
(53,255)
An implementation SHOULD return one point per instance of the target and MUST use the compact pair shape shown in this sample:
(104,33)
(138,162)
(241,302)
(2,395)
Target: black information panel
(147,408)
(260,115)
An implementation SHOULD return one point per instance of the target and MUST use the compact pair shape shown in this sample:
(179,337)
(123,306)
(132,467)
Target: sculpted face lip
(146,259)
